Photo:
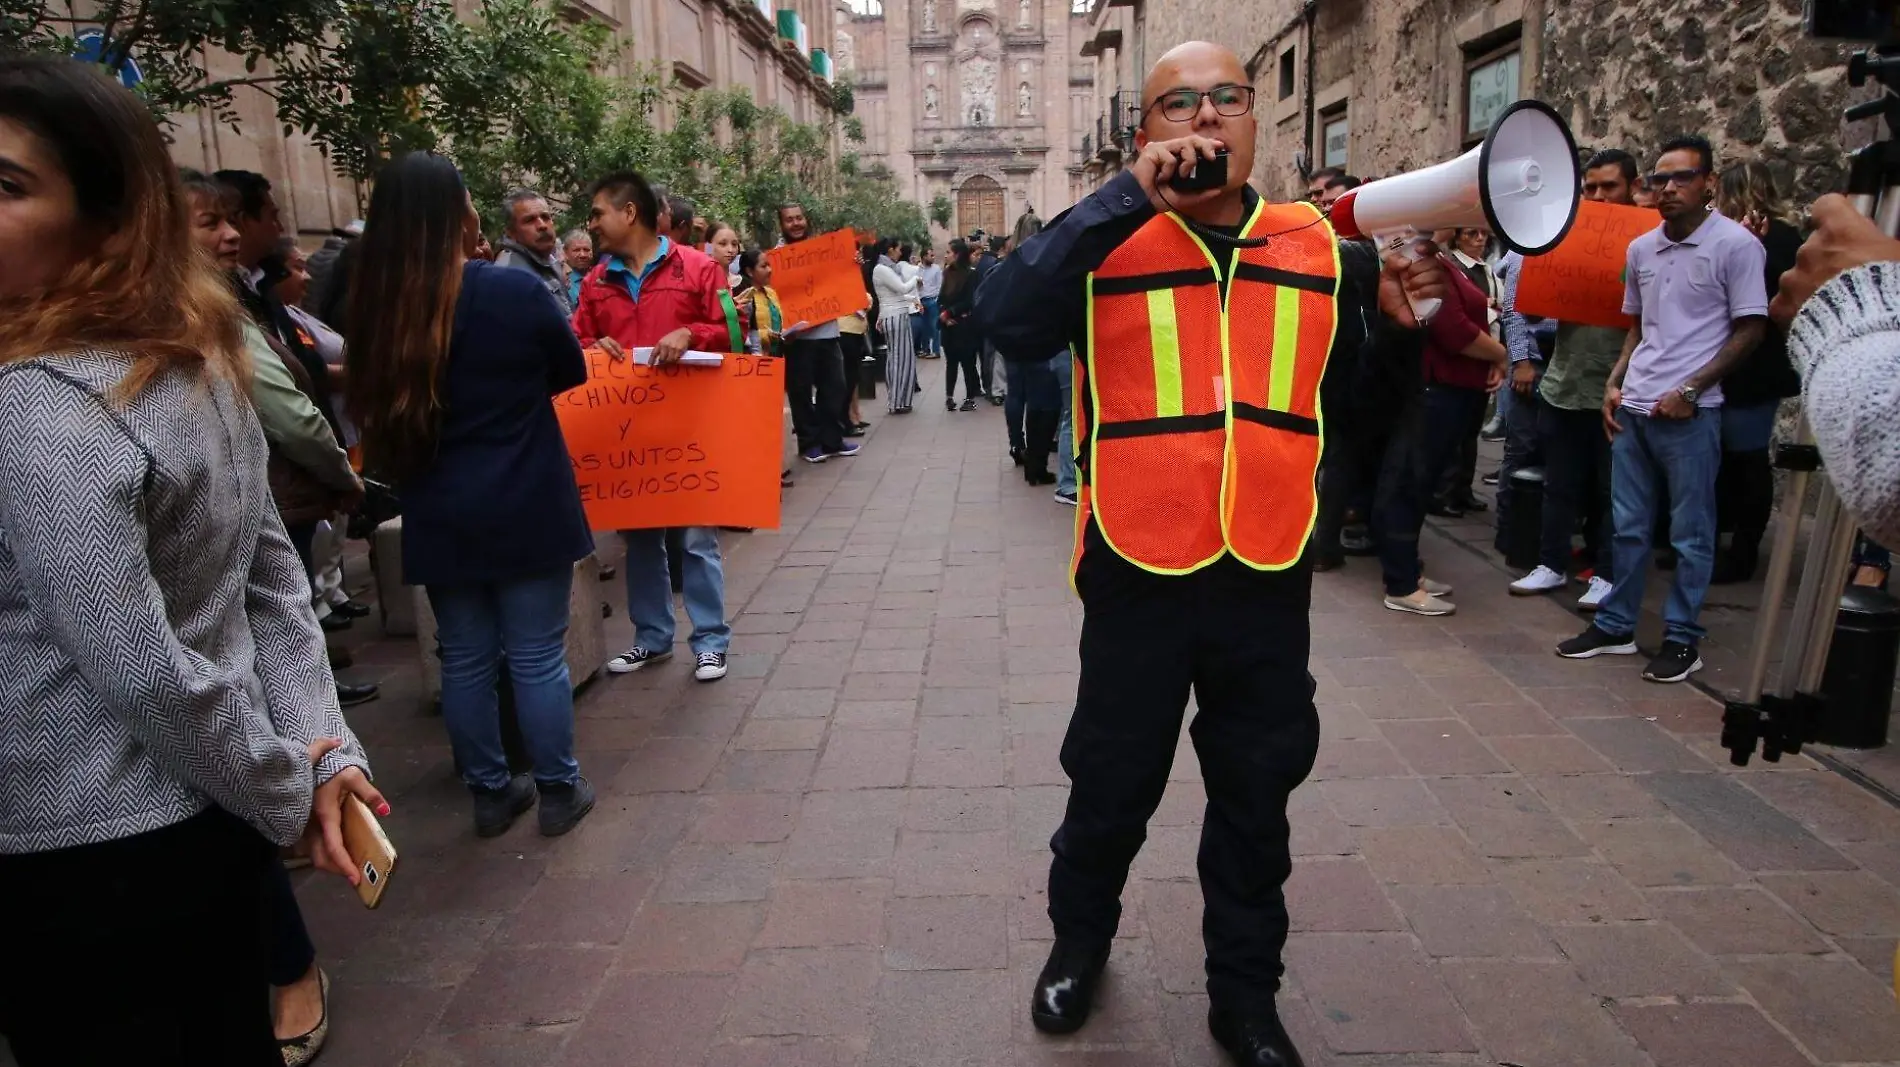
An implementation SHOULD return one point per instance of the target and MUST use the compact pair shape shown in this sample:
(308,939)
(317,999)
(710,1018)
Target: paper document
(644,357)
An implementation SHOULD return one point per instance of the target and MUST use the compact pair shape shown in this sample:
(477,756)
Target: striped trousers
(900,361)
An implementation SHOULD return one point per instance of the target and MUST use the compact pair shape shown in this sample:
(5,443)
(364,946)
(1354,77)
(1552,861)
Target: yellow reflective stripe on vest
(1286,343)
(1164,334)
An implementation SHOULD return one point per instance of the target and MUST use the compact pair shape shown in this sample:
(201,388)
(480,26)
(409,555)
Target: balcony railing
(1115,130)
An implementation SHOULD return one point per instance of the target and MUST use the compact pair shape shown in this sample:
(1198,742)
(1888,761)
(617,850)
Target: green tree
(514,92)
(941,210)
(364,79)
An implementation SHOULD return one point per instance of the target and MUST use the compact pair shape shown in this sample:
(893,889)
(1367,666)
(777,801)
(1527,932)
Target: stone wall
(1739,71)
(1625,74)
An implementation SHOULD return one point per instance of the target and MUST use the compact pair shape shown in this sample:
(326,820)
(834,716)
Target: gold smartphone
(371,854)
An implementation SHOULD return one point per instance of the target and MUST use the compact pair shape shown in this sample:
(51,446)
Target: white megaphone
(1521,184)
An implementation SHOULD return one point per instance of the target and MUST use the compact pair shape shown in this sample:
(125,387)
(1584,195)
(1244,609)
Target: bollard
(1524,519)
(1861,663)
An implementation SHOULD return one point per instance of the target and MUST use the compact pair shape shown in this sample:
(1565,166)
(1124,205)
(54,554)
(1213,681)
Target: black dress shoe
(333,622)
(1065,990)
(349,696)
(1254,1040)
(350,609)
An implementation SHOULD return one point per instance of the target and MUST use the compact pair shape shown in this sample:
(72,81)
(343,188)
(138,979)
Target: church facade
(981,102)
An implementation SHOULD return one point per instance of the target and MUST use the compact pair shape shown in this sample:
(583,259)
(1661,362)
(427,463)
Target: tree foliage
(516,93)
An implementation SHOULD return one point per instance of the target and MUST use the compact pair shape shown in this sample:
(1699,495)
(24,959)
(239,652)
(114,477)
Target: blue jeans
(1064,368)
(650,590)
(1651,461)
(1749,427)
(1521,446)
(929,334)
(525,619)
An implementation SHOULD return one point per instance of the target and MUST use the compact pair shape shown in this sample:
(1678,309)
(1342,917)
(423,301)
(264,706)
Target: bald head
(1191,65)
(1176,103)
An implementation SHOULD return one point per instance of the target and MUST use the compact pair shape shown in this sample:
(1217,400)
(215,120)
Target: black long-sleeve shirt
(1035,303)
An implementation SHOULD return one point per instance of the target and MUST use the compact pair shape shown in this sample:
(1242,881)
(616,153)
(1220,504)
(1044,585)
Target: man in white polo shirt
(1695,287)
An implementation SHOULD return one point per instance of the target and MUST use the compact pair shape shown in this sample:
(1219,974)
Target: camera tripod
(1786,719)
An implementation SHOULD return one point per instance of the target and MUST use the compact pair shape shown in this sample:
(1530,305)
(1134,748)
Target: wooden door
(980,206)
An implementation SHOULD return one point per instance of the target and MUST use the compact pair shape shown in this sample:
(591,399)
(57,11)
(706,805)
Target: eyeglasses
(1182,105)
(1665,178)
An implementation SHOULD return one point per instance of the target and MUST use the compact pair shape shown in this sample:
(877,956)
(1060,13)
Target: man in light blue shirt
(1696,287)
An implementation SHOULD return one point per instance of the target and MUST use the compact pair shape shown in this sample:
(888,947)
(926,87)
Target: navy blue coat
(499,502)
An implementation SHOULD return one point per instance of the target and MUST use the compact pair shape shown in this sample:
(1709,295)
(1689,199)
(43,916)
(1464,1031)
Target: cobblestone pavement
(836,856)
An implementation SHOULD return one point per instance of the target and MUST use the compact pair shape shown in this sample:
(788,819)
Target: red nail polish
(383,810)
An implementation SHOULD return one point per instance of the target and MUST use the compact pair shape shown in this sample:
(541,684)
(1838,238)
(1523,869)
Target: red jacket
(1458,323)
(682,289)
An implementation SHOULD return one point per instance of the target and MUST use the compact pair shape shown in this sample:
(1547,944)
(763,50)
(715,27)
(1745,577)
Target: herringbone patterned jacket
(158,653)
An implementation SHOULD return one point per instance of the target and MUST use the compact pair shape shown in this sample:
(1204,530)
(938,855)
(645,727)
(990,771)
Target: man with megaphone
(1201,318)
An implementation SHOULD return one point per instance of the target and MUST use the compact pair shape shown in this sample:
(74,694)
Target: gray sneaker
(564,806)
(496,809)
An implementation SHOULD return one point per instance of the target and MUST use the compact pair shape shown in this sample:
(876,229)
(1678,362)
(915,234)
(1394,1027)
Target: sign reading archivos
(1581,280)
(819,279)
(676,445)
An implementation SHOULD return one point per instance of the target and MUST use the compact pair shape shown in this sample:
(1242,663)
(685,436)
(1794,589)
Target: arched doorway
(980,205)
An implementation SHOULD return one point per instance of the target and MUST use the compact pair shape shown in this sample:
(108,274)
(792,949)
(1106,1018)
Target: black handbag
(380,504)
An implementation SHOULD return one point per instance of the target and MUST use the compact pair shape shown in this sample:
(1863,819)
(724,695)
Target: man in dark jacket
(529,243)
(1178,597)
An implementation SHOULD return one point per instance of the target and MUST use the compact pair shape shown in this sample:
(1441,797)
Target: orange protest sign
(1581,280)
(819,279)
(676,445)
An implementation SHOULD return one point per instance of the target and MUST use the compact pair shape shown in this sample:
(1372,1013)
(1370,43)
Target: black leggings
(166,935)
(966,361)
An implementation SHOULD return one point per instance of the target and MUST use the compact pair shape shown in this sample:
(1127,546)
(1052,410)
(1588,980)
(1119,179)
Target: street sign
(90,47)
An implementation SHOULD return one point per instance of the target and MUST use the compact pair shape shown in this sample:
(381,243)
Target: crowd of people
(189,405)
(1652,437)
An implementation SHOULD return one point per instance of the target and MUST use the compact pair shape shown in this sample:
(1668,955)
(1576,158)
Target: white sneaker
(1541,580)
(1592,598)
(1435,588)
(1421,603)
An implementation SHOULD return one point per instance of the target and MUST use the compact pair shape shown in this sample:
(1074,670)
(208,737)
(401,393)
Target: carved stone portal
(979,89)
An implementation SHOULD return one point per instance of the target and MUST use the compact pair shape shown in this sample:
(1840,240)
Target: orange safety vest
(1205,435)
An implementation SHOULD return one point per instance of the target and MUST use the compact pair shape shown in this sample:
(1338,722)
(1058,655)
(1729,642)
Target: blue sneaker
(814,454)
(846,450)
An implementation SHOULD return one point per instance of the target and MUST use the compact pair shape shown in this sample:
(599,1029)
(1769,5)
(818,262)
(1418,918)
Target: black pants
(1348,469)
(1576,488)
(1237,639)
(962,355)
(151,949)
(816,365)
(1444,421)
(303,538)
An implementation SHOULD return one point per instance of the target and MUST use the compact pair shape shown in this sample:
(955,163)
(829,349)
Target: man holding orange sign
(648,292)
(1581,283)
(817,282)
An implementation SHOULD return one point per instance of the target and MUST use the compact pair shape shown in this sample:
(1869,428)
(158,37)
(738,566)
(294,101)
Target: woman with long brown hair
(452,364)
(1752,393)
(169,710)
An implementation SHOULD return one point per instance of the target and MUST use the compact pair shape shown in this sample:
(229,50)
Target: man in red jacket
(648,292)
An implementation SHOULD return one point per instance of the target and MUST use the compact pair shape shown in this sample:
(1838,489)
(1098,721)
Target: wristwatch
(1690,393)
